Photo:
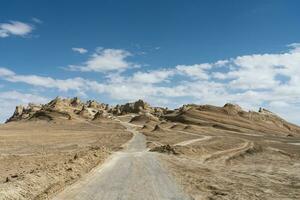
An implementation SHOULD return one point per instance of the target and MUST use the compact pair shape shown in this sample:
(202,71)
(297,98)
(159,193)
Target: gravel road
(132,174)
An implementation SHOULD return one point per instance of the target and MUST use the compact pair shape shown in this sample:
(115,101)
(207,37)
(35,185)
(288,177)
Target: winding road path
(132,174)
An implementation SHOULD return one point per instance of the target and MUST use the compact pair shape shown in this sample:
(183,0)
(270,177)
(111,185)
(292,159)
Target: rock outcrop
(230,117)
(136,107)
(232,109)
(59,108)
(22,112)
(91,110)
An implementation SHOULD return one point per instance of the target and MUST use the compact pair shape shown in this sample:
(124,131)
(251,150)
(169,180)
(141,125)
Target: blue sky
(167,52)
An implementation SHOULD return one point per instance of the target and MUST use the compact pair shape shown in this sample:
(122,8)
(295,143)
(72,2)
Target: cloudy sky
(167,52)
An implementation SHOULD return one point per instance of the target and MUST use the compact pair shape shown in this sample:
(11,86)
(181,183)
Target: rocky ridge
(232,117)
(229,117)
(74,108)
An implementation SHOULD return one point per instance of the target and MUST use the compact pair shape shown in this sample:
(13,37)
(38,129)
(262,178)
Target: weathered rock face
(228,117)
(86,113)
(34,107)
(22,112)
(59,108)
(232,109)
(94,104)
(159,111)
(115,110)
(75,102)
(19,110)
(91,110)
(138,107)
(135,107)
(64,105)
(17,114)
(101,114)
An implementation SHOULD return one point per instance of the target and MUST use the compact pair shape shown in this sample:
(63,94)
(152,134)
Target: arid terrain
(68,149)
(219,154)
(38,158)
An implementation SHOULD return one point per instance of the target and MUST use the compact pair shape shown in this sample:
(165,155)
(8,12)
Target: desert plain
(68,149)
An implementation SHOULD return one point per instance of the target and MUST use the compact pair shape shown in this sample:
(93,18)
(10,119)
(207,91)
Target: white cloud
(279,104)
(197,71)
(220,76)
(37,20)
(15,28)
(271,80)
(295,47)
(156,76)
(79,50)
(260,71)
(105,60)
(23,98)
(250,80)
(76,84)
(221,63)
(4,72)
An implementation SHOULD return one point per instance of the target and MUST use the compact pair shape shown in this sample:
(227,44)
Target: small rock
(69,169)
(14,176)
(165,149)
(76,156)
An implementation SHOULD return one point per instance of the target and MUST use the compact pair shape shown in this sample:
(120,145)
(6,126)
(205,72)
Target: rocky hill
(74,108)
(213,152)
(230,117)
(60,108)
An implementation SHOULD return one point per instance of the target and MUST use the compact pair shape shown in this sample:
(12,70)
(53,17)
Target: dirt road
(132,174)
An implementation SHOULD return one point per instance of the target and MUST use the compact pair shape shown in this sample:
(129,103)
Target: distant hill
(230,117)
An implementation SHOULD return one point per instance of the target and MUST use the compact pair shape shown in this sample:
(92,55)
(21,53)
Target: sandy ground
(220,164)
(40,158)
(132,174)
(45,160)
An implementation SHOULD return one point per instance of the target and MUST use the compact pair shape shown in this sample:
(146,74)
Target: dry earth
(212,152)
(131,174)
(38,158)
(229,162)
